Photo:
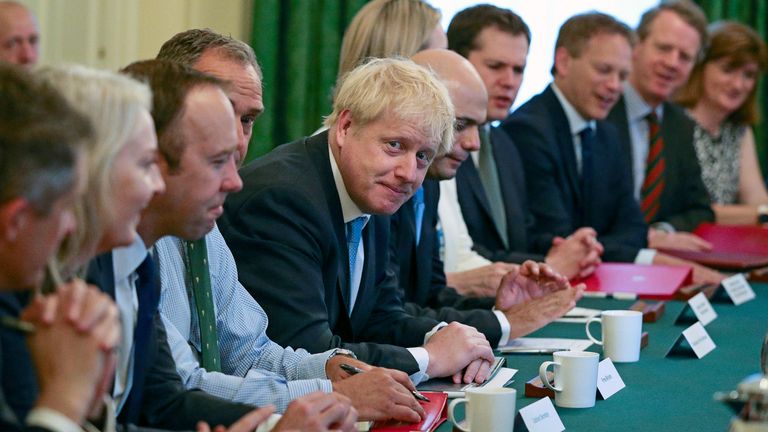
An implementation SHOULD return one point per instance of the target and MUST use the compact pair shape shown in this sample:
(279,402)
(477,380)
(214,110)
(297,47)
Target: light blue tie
(354,233)
(418,211)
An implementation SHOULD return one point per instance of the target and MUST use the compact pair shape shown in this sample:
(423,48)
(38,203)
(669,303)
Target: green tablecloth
(664,393)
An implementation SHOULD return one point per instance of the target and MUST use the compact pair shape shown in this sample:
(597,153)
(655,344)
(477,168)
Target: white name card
(699,340)
(541,416)
(738,289)
(609,381)
(702,308)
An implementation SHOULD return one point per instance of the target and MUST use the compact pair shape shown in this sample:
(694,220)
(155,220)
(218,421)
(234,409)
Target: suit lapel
(618,116)
(101,273)
(564,142)
(476,186)
(317,148)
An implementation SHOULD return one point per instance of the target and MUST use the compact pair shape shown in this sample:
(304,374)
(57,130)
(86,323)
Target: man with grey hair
(251,368)
(230,60)
(309,230)
(19,35)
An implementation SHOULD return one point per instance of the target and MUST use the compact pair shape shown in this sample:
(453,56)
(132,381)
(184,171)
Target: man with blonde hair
(310,234)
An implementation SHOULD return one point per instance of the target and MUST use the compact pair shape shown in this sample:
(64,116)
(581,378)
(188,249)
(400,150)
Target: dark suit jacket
(420,269)
(286,231)
(541,131)
(477,212)
(685,201)
(163,403)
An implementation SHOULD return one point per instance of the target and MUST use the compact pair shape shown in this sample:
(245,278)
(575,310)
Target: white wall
(112,33)
(544,18)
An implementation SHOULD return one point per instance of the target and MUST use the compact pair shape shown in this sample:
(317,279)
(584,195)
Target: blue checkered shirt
(255,370)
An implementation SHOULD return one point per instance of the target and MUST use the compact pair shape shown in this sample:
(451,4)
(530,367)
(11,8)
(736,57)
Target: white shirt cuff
(645,256)
(422,358)
(504,323)
(434,330)
(269,423)
(47,418)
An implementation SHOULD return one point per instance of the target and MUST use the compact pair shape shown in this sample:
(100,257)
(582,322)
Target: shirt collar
(575,120)
(349,209)
(637,108)
(125,260)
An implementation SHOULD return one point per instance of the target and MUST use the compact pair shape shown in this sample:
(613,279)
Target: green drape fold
(297,43)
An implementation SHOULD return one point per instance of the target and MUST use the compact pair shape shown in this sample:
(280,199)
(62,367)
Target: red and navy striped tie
(655,165)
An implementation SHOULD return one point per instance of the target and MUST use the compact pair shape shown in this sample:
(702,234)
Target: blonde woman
(122,171)
(721,97)
(388,28)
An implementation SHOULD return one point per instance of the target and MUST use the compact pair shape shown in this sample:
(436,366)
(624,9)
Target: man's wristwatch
(342,352)
(762,214)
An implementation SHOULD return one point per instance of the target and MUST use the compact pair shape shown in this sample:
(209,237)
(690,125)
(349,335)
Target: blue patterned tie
(354,233)
(418,211)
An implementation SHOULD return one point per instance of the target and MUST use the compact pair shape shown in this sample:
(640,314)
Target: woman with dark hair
(721,98)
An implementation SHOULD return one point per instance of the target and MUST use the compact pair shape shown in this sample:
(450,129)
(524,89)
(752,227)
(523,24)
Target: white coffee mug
(575,378)
(622,330)
(487,409)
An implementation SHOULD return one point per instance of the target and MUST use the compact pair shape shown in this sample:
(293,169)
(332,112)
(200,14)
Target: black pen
(352,370)
(17,324)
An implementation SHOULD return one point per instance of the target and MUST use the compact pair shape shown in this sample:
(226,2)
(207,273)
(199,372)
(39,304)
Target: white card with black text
(609,381)
(738,289)
(541,416)
(699,340)
(703,309)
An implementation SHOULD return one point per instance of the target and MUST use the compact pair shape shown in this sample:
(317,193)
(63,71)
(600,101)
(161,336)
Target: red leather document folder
(735,247)
(436,414)
(646,281)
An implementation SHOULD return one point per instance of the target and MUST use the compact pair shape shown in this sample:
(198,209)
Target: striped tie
(653,185)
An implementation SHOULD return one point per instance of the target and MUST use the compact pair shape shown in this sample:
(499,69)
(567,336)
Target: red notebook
(735,247)
(436,413)
(646,281)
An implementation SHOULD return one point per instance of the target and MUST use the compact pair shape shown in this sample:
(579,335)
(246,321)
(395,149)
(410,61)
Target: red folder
(646,281)
(436,413)
(735,247)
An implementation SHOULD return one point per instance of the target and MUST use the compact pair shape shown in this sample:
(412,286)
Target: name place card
(738,289)
(609,381)
(702,308)
(541,416)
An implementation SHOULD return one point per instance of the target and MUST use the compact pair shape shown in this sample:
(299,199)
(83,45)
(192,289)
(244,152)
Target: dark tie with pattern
(587,136)
(200,278)
(653,185)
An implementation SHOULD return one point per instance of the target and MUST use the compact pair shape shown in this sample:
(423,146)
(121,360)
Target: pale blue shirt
(255,370)
(350,211)
(125,262)
(637,111)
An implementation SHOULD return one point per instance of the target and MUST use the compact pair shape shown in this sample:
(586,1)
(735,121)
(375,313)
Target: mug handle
(460,425)
(543,375)
(589,335)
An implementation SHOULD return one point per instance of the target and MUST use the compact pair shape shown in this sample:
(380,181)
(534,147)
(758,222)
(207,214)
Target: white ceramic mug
(575,378)
(487,409)
(622,330)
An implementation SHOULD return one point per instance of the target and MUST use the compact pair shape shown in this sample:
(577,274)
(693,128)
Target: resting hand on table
(678,240)
(459,351)
(577,255)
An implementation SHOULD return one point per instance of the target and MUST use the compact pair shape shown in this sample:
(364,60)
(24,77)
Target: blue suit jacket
(158,398)
(420,270)
(685,202)
(541,131)
(287,234)
(477,211)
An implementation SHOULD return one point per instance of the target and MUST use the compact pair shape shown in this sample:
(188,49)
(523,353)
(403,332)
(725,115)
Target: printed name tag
(738,289)
(609,381)
(699,340)
(541,416)
(703,309)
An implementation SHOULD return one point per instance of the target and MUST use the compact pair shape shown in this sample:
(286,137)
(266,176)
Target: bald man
(19,35)
(414,243)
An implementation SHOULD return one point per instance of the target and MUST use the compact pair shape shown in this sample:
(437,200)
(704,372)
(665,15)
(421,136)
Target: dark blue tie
(418,211)
(587,136)
(148,293)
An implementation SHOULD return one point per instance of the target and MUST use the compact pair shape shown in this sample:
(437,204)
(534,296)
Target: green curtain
(755,14)
(297,44)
